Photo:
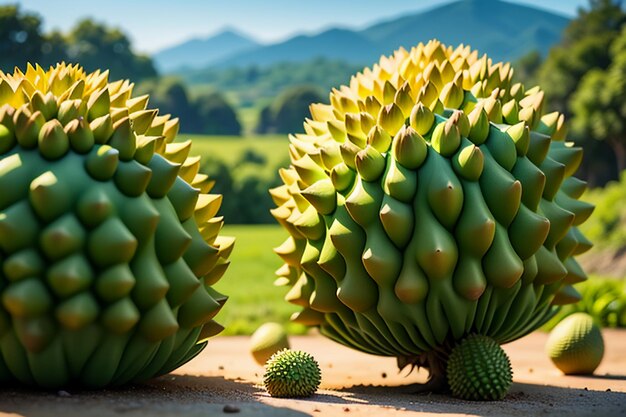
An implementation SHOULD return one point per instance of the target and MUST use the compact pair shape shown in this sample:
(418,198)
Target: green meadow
(253,299)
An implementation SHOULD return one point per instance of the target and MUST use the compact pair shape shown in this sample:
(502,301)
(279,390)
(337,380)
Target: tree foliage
(90,44)
(286,114)
(208,114)
(581,77)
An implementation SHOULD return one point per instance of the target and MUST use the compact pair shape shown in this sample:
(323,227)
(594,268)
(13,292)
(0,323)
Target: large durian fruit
(108,237)
(430,200)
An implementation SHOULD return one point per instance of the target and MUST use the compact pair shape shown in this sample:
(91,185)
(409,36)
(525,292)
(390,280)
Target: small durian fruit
(292,373)
(268,339)
(575,345)
(479,370)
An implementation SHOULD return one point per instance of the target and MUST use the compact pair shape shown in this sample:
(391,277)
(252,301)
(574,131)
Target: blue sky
(154,24)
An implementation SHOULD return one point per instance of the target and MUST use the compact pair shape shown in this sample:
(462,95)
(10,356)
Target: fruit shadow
(522,400)
(169,395)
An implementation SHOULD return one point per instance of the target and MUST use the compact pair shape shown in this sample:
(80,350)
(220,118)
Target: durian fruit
(292,374)
(478,369)
(431,199)
(109,242)
(575,345)
(268,339)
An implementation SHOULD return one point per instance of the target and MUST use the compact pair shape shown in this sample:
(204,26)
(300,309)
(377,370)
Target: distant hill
(343,44)
(200,53)
(505,31)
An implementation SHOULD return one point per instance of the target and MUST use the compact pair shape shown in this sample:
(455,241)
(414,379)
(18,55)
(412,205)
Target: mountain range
(505,31)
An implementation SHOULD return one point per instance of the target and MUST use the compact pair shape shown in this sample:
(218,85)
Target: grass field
(229,149)
(253,299)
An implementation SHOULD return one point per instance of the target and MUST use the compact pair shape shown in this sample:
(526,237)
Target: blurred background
(241,75)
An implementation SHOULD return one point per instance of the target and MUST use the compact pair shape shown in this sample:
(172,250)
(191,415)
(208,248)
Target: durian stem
(435,361)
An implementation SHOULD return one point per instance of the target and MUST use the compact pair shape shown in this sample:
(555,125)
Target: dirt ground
(224,379)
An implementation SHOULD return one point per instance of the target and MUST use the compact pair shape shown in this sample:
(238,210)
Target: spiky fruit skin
(268,339)
(108,236)
(575,345)
(479,370)
(431,199)
(292,374)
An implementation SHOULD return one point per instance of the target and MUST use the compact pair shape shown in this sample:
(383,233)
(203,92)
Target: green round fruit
(292,374)
(479,369)
(575,345)
(431,199)
(268,339)
(109,242)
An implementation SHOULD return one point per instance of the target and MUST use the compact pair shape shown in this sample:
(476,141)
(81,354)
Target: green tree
(20,38)
(598,105)
(169,95)
(54,49)
(585,45)
(527,66)
(96,46)
(215,115)
(288,111)
(585,48)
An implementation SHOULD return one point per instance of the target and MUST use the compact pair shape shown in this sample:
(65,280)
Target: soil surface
(224,379)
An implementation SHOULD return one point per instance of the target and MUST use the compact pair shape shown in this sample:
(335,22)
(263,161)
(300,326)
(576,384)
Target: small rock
(221,368)
(384,375)
(63,393)
(608,390)
(347,409)
(586,389)
(231,409)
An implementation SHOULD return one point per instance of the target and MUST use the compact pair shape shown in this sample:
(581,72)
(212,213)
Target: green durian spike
(469,162)
(70,275)
(7,139)
(115,283)
(70,110)
(399,182)
(421,119)
(446,138)
(370,164)
(124,139)
(520,134)
(49,197)
(102,162)
(102,128)
(120,316)
(538,147)
(479,126)
(391,118)
(379,139)
(364,201)
(27,127)
(184,198)
(151,285)
(502,266)
(164,174)
(62,237)
(99,104)
(53,143)
(182,282)
(18,227)
(132,178)
(396,218)
(77,312)
(111,243)
(409,148)
(528,232)
(46,104)
(502,148)
(94,207)
(26,298)
(533,181)
(322,196)
(23,264)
